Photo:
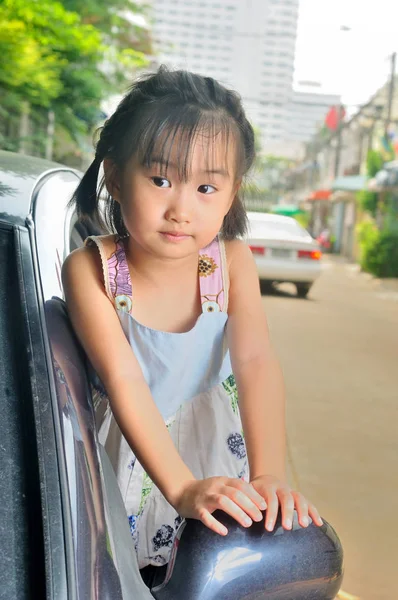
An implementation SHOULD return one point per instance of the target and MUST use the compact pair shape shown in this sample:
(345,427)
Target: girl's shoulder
(105,245)
(90,260)
(236,252)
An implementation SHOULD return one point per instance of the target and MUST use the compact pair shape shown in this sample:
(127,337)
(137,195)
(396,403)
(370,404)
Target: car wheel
(266,286)
(303,289)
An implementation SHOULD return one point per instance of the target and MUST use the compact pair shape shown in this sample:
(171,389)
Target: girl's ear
(112,179)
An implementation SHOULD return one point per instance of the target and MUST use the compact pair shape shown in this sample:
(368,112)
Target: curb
(384,284)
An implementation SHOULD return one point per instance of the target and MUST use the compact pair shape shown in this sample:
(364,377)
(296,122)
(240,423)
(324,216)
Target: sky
(352,63)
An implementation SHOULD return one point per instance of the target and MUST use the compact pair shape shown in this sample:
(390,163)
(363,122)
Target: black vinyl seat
(102,539)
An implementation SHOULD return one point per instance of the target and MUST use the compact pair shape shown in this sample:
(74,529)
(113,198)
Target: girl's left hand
(277,492)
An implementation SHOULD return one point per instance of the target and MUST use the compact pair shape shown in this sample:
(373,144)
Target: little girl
(169,312)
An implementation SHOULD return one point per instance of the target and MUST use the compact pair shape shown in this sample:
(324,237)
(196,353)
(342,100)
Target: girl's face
(172,217)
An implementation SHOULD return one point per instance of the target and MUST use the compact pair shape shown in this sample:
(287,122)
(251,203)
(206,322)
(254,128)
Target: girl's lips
(174,236)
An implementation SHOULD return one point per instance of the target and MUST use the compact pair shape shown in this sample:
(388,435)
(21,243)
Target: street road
(339,354)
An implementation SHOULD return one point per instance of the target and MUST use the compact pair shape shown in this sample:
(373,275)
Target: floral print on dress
(158,559)
(229,386)
(207,265)
(210,306)
(147,486)
(236,445)
(133,524)
(123,303)
(163,538)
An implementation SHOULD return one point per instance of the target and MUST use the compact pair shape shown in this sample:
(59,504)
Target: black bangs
(168,138)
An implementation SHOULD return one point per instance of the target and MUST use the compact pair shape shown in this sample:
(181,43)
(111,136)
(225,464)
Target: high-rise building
(248,45)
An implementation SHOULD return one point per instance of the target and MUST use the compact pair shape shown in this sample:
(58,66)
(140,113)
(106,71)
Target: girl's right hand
(200,498)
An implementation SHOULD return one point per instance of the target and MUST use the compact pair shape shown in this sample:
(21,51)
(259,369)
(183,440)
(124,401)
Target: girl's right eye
(161,182)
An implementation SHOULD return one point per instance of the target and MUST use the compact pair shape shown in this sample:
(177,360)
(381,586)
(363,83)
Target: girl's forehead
(203,152)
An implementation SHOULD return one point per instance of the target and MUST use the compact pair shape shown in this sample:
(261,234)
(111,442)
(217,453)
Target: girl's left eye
(207,189)
(161,182)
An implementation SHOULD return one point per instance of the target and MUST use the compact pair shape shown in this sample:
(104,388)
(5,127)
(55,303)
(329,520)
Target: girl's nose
(179,208)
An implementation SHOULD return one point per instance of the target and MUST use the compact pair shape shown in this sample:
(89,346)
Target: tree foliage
(379,249)
(65,56)
(369,200)
(40,43)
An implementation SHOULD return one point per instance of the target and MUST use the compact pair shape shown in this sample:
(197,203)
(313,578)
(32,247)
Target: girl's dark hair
(160,111)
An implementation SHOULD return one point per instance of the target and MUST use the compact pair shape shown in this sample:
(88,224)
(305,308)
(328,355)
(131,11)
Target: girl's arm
(261,392)
(256,369)
(98,328)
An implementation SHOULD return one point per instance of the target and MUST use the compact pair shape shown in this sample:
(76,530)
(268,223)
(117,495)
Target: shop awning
(320,195)
(350,183)
(288,210)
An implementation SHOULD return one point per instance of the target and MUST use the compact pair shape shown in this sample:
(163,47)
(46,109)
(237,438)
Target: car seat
(105,559)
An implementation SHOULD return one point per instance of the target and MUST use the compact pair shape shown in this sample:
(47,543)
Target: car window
(52,227)
(276,228)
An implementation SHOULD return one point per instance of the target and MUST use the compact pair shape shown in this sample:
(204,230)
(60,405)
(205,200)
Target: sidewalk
(382,285)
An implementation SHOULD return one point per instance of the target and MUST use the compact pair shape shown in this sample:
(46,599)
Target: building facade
(248,45)
(307,111)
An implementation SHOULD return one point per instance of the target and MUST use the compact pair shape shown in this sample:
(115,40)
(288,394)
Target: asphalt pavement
(339,354)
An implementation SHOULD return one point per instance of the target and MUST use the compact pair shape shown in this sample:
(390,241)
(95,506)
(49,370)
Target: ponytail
(85,197)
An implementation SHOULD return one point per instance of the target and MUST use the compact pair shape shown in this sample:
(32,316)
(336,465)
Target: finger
(249,490)
(302,509)
(272,510)
(287,507)
(225,503)
(245,503)
(314,514)
(207,519)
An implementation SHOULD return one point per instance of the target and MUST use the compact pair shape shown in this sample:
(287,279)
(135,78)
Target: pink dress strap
(213,274)
(213,277)
(115,269)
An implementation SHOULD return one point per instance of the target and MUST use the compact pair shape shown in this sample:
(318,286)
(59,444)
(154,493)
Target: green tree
(369,200)
(39,42)
(54,59)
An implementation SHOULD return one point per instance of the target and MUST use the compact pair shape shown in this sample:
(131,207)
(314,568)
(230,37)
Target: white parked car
(284,251)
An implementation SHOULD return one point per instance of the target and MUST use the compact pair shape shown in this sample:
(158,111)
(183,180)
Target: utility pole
(339,141)
(391,89)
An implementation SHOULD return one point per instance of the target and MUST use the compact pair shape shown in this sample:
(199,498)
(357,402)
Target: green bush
(368,201)
(379,249)
(304,219)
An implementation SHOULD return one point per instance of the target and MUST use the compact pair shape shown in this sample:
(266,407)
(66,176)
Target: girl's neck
(155,269)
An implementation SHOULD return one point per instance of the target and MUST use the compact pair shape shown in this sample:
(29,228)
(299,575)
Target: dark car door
(32,536)
(64,532)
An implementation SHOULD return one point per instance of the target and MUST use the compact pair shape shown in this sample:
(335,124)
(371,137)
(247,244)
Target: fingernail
(248,522)
(223,530)
(305,521)
(288,523)
(270,526)
(263,505)
(259,517)
(321,522)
